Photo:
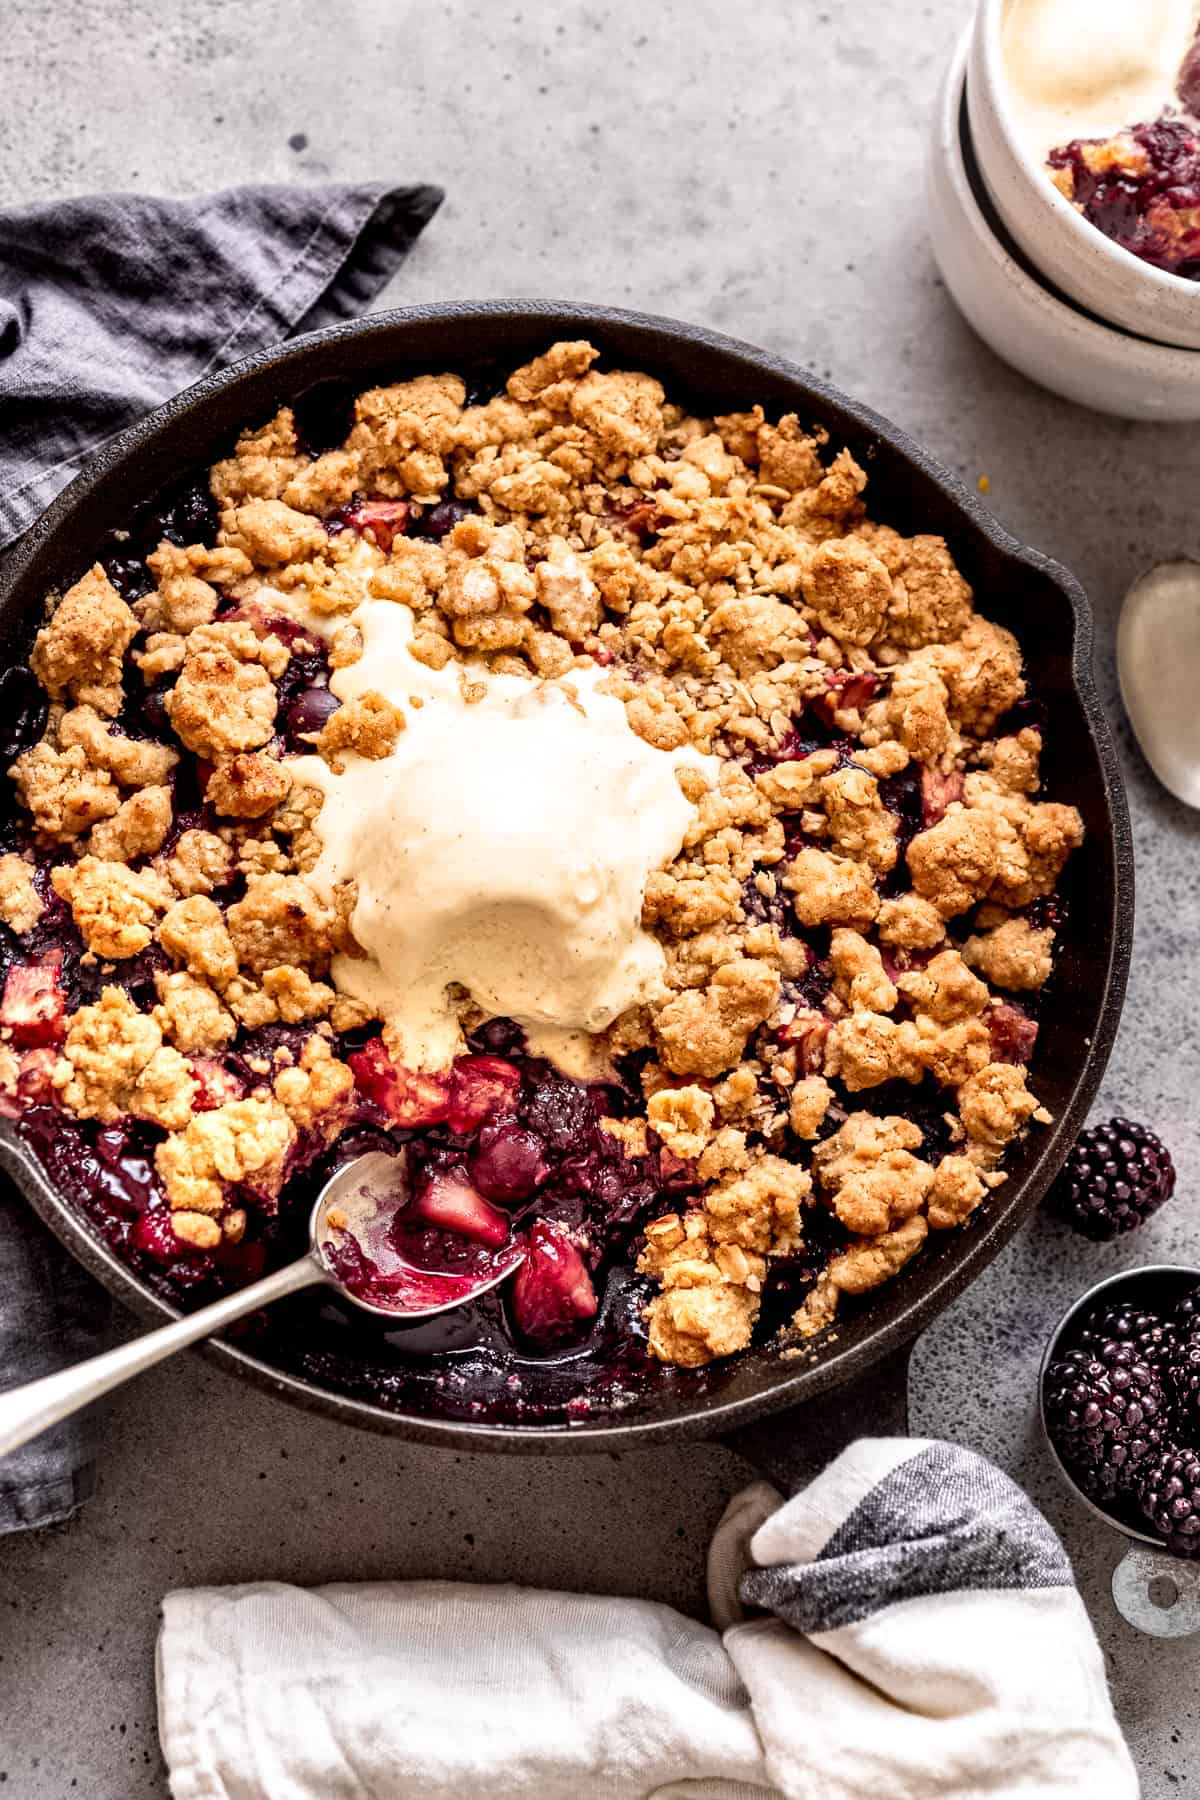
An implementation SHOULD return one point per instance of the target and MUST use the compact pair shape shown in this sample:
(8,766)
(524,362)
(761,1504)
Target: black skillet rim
(795,1383)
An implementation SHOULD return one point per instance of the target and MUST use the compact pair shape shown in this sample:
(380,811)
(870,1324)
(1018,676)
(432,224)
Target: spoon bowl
(351,1239)
(350,1248)
(1158,658)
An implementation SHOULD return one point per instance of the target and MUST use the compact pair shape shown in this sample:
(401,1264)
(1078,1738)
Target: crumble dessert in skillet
(588,796)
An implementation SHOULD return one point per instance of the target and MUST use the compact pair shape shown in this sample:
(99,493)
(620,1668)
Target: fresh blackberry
(1152,1338)
(1169,1496)
(1186,1317)
(1105,1413)
(1183,1382)
(1115,1176)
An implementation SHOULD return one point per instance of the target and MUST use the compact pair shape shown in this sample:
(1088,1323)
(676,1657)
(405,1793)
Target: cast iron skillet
(857,1378)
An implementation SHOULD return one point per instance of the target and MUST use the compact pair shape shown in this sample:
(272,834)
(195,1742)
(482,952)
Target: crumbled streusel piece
(690,902)
(567,591)
(65,795)
(705,1033)
(911,923)
(874,1181)
(791,786)
(268,533)
(115,907)
(711,1263)
(296,996)
(629,1133)
(114,1064)
(245,1141)
(950,1053)
(683,1118)
(221,705)
(131,762)
(956,862)
(1048,834)
(849,589)
(323,485)
(264,463)
(368,725)
(957,1190)
(20,903)
(1013,761)
(80,653)
(982,673)
(188,579)
(830,890)
(1013,955)
(859,823)
(191,1015)
(317,1090)
(995,1104)
(865,1265)
(137,828)
(248,786)
(945,989)
(808,1102)
(200,862)
(250,639)
(859,977)
(692,1324)
(756,632)
(195,934)
(868,1048)
(931,603)
(403,432)
(280,920)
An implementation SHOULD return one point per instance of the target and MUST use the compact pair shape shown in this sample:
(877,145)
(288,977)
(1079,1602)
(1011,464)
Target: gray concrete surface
(756,168)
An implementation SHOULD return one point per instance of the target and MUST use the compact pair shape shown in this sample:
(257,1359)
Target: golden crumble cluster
(859,903)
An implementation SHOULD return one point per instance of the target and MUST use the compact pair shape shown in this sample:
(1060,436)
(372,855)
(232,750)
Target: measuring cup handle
(1157,1593)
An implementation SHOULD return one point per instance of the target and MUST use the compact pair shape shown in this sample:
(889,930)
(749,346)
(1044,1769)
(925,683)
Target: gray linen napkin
(109,304)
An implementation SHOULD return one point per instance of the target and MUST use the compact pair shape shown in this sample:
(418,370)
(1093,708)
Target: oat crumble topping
(862,909)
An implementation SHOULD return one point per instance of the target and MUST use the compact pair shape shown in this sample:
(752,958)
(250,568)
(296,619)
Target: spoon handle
(25,1411)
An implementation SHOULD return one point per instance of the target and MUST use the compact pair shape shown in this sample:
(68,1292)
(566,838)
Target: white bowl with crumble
(588,796)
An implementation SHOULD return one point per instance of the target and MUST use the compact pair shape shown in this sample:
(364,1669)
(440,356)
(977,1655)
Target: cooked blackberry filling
(1141,188)
(713,1092)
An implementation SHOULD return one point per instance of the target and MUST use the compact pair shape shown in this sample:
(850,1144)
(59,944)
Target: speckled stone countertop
(757,169)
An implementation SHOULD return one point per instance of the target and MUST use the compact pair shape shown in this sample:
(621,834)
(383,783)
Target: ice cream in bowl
(1084,121)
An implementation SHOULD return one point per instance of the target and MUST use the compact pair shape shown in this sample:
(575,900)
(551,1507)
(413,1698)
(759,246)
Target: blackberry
(1115,1176)
(1183,1375)
(1105,1414)
(1169,1496)
(1153,1338)
(1186,1317)
(1183,1381)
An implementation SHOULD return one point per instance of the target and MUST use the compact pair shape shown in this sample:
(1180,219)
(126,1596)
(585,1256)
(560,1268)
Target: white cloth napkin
(923,1638)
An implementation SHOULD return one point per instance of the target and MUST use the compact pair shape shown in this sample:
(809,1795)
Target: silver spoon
(346,1210)
(1158,661)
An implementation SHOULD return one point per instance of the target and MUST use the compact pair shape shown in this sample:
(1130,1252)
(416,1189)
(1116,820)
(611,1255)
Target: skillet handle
(789,1448)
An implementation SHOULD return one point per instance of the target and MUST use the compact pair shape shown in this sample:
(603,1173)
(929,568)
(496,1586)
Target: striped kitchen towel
(905,1628)
(909,1626)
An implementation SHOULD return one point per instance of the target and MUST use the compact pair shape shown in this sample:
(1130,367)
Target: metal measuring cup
(1154,1591)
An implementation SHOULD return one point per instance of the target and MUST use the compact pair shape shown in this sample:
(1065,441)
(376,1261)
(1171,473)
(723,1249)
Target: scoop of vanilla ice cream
(1086,68)
(502,848)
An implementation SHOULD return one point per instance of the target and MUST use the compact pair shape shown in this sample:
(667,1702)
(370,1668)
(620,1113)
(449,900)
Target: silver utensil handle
(1157,1593)
(25,1411)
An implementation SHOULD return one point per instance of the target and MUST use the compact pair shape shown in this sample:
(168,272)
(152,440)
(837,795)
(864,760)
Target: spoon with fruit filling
(358,1234)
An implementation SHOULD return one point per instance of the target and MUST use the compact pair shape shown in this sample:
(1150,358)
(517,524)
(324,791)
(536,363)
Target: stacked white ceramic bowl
(1042,286)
